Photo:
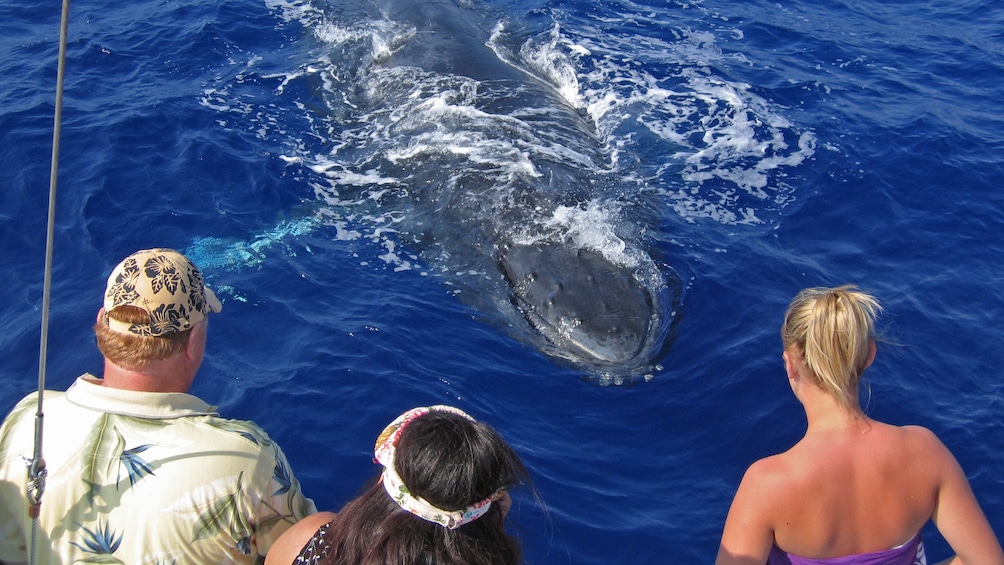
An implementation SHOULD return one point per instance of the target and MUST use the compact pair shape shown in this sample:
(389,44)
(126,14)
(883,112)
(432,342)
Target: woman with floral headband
(440,500)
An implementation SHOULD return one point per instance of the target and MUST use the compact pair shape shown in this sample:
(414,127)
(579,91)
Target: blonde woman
(853,490)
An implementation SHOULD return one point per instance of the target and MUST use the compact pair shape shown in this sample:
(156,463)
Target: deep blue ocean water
(758,147)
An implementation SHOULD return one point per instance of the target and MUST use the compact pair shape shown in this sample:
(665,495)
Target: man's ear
(194,334)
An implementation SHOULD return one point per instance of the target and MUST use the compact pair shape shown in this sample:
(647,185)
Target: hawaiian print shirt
(143,478)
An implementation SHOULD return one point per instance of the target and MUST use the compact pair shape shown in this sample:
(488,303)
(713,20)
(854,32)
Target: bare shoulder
(929,456)
(749,531)
(925,443)
(768,468)
(285,549)
(767,477)
(780,466)
(920,433)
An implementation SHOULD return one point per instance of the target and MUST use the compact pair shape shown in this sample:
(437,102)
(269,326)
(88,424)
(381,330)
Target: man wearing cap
(139,471)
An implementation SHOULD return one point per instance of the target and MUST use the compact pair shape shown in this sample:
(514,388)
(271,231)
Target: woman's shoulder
(920,434)
(774,473)
(926,446)
(912,454)
(921,442)
(286,549)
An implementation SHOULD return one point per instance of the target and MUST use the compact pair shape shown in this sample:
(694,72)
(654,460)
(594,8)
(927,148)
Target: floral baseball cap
(164,283)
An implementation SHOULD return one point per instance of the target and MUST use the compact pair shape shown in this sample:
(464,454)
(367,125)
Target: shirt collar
(88,392)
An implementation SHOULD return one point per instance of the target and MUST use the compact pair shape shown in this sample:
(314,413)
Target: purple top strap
(910,553)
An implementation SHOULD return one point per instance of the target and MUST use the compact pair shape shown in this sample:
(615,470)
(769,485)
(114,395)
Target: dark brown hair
(452,463)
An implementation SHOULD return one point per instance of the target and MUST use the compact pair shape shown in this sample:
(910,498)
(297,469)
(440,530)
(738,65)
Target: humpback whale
(604,307)
(455,135)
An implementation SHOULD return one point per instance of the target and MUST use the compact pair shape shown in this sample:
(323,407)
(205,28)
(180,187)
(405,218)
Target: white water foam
(726,148)
(721,152)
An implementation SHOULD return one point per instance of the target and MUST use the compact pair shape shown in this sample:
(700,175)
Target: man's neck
(168,375)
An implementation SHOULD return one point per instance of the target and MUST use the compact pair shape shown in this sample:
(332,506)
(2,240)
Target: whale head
(593,311)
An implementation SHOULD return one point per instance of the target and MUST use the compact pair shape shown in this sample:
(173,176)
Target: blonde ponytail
(832,329)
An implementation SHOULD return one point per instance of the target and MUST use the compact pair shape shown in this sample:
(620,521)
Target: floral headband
(384,451)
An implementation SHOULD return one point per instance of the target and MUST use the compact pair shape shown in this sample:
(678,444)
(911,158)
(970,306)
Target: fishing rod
(36,466)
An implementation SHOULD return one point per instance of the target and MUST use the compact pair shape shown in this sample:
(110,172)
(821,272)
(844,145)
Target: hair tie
(384,452)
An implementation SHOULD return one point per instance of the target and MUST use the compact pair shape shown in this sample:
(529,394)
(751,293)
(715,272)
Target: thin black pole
(36,468)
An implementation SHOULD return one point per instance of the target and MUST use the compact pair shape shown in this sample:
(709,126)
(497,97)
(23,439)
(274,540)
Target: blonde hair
(832,329)
(131,351)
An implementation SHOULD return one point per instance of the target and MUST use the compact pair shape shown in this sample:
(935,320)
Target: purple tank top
(910,553)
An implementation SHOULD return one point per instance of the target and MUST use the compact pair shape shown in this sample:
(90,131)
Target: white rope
(36,467)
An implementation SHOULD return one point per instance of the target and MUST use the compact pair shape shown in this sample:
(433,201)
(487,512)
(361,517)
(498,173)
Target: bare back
(856,490)
(852,489)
